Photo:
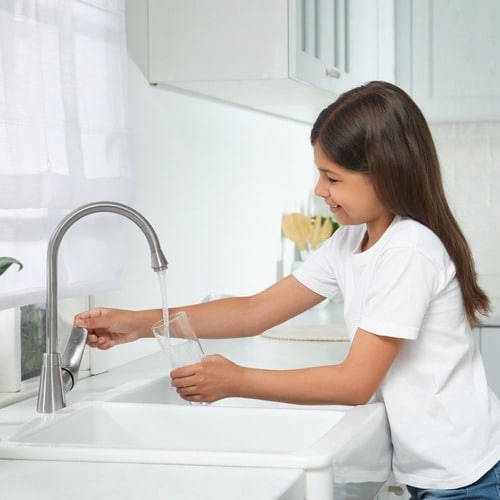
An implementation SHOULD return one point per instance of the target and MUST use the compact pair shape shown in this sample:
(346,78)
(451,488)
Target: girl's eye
(331,180)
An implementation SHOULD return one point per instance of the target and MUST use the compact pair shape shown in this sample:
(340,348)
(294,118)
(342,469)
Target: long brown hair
(378,130)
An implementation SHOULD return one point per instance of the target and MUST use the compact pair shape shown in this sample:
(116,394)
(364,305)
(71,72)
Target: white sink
(146,391)
(160,391)
(197,435)
(155,430)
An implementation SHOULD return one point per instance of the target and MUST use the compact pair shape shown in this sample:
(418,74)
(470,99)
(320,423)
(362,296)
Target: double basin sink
(146,422)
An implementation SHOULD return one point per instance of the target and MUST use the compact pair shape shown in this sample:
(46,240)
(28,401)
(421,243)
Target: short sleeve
(399,289)
(318,272)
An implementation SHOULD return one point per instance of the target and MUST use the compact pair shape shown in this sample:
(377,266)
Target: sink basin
(197,435)
(147,391)
(159,391)
(154,430)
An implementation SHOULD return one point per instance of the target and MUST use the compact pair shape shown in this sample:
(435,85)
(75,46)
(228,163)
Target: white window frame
(12,388)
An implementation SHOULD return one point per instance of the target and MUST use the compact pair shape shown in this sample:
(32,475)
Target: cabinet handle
(333,72)
(347,35)
(397,490)
(341,49)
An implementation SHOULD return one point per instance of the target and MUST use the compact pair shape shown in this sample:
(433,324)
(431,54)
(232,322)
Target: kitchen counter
(56,480)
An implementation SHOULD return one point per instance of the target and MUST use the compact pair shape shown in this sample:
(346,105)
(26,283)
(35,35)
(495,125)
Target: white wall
(214,180)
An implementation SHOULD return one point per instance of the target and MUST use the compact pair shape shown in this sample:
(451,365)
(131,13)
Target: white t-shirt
(444,420)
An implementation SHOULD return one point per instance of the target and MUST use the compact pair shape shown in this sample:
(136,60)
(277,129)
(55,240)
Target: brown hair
(377,129)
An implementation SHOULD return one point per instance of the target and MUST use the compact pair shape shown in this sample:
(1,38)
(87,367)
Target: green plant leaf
(6,262)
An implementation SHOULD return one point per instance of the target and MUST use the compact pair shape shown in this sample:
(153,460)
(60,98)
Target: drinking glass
(178,340)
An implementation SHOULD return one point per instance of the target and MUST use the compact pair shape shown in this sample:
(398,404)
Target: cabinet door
(490,350)
(393,492)
(336,45)
(312,42)
(368,41)
(216,40)
(449,57)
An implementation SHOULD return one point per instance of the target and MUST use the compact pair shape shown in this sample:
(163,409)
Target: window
(64,141)
(22,344)
(32,331)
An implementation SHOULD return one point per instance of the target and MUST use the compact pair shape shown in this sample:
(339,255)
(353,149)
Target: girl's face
(350,196)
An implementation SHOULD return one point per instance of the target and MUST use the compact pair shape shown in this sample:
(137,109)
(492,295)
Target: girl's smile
(334,208)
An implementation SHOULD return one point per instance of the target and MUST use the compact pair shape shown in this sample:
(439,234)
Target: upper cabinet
(448,57)
(339,44)
(294,57)
(286,57)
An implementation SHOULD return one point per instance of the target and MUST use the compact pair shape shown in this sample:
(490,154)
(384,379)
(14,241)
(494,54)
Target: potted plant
(6,262)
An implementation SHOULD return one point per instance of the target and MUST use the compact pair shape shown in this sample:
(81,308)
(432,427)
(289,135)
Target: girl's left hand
(212,379)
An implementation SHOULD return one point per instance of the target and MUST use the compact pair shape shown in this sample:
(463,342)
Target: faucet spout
(59,376)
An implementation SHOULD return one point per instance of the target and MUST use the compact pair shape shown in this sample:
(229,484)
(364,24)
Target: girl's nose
(320,189)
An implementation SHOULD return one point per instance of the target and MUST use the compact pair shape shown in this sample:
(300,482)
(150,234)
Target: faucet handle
(72,357)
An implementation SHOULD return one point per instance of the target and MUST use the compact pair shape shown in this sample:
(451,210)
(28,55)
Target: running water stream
(162,277)
(180,351)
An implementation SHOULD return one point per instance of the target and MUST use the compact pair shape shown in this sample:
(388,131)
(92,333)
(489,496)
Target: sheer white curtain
(63,141)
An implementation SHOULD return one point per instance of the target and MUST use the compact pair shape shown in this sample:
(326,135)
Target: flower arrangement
(307,231)
(6,262)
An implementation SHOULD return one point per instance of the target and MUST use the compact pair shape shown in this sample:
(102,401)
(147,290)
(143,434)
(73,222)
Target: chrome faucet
(59,374)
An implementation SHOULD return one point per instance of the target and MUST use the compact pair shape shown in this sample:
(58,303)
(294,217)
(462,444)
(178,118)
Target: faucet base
(51,395)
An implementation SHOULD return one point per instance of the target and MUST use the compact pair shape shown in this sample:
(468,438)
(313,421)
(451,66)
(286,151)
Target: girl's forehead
(323,162)
(319,155)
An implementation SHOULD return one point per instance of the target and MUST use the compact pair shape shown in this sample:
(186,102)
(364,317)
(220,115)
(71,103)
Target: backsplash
(470,161)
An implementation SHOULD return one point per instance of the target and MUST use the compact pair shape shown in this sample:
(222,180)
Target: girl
(406,276)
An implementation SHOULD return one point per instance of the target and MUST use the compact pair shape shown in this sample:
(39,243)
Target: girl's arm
(351,382)
(251,315)
(224,318)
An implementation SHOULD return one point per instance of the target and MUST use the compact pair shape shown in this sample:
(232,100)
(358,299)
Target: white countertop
(57,480)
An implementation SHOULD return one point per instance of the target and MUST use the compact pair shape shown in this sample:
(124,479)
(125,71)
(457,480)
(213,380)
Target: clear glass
(178,340)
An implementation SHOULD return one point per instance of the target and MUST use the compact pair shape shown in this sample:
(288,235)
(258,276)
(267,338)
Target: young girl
(406,276)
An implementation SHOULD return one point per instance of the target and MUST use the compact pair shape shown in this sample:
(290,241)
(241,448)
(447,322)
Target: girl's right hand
(109,327)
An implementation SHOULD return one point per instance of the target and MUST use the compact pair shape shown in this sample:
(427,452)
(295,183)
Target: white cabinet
(448,57)
(489,342)
(393,492)
(314,42)
(287,57)
(339,44)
